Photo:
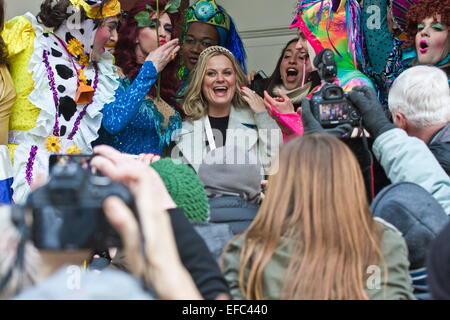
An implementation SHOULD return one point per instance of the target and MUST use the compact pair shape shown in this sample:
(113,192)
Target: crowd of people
(329,179)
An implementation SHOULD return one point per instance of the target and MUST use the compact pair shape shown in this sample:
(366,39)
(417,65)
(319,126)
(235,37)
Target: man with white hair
(419,101)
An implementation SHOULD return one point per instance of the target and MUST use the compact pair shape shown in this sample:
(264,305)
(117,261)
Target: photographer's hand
(310,123)
(143,183)
(374,118)
(165,271)
(123,221)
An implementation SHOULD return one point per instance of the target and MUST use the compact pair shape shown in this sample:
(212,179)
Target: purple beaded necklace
(51,79)
(56,129)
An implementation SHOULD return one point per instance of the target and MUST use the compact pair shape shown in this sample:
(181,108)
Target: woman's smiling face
(219,82)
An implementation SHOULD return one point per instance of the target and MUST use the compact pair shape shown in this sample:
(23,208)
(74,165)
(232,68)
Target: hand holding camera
(130,198)
(141,180)
(67,212)
(373,116)
(156,258)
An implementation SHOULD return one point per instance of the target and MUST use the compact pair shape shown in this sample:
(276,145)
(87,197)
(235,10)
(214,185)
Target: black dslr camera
(67,212)
(330,105)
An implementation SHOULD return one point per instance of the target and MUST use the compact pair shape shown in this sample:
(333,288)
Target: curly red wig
(126,57)
(422,10)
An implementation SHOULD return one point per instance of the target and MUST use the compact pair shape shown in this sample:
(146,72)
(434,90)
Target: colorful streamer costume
(332,25)
(335,25)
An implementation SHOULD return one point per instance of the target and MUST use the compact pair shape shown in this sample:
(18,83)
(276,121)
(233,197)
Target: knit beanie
(184,187)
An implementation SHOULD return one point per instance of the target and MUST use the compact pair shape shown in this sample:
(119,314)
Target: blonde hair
(317,200)
(195,105)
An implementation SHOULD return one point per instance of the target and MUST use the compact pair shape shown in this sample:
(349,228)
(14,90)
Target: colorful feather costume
(334,25)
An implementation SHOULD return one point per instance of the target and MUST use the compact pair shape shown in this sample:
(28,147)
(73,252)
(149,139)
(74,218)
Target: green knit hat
(184,187)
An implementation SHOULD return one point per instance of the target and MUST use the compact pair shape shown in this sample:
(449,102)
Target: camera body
(67,213)
(330,105)
(260,75)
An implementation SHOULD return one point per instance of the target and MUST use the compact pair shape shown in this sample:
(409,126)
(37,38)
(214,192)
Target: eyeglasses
(204,43)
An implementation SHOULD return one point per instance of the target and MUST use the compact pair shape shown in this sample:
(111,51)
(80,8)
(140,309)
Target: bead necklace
(50,73)
(53,142)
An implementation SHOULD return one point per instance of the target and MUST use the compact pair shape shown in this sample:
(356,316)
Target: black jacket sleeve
(196,257)
(441,151)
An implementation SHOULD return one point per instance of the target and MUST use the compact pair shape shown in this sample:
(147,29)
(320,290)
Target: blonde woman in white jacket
(221,111)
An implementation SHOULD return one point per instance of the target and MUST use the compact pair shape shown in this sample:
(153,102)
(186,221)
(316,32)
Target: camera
(67,212)
(260,75)
(330,105)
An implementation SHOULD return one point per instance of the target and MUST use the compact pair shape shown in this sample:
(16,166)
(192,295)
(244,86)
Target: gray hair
(422,94)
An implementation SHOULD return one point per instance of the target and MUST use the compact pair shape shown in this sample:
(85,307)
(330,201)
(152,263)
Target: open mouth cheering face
(432,41)
(219,82)
(291,67)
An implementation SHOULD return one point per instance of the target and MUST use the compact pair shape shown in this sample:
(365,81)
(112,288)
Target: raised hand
(144,182)
(161,267)
(164,54)
(255,102)
(251,76)
(282,104)
(374,118)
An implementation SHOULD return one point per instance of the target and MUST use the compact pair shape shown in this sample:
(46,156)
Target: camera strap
(367,149)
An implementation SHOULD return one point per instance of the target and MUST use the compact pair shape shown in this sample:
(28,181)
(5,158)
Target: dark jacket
(438,266)
(215,235)
(235,211)
(419,217)
(196,257)
(440,147)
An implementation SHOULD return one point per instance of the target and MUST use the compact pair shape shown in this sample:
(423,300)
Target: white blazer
(257,133)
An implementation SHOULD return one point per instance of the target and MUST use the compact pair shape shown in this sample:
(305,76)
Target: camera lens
(354,115)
